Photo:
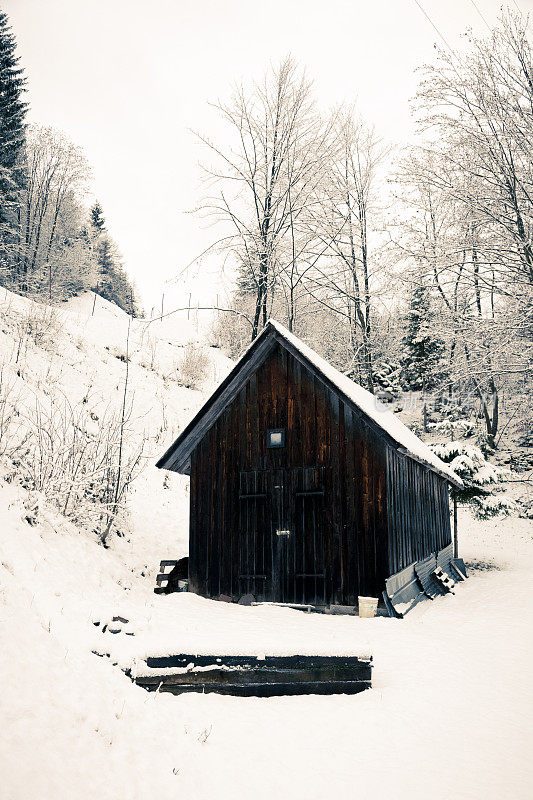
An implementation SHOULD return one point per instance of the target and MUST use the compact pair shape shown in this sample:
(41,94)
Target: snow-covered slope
(449,713)
(80,360)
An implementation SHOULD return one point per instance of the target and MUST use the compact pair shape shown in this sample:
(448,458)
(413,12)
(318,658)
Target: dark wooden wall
(352,459)
(418,511)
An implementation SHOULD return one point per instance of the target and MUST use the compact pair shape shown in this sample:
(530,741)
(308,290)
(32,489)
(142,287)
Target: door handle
(283,533)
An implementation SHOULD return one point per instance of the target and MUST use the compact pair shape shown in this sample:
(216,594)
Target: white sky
(127,79)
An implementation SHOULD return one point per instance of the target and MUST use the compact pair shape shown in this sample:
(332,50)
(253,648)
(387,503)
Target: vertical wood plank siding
(357,511)
(418,511)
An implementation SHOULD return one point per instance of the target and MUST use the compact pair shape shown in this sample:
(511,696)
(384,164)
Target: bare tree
(473,180)
(479,316)
(57,173)
(345,279)
(265,182)
(478,110)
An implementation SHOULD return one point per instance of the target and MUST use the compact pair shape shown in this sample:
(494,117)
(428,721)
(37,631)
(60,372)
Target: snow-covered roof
(178,454)
(370,405)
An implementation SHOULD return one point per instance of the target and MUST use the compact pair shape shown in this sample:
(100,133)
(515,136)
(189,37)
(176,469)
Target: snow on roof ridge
(368,403)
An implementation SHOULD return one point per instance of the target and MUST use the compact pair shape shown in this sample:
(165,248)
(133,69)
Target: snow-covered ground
(449,713)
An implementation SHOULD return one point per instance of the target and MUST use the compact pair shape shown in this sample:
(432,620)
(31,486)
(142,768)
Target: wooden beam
(250,676)
(403,452)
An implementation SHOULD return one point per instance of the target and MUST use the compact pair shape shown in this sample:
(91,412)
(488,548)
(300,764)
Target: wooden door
(254,557)
(309,570)
(282,537)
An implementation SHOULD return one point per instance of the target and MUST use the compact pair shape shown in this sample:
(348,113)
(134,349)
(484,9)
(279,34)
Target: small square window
(276,438)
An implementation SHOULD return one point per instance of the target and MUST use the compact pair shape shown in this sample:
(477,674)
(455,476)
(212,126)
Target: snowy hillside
(75,357)
(449,712)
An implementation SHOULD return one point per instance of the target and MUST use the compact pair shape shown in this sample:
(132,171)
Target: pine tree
(12,131)
(97,218)
(104,257)
(423,351)
(113,282)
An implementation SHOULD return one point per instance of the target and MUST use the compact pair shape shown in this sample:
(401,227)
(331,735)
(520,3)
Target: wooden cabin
(304,490)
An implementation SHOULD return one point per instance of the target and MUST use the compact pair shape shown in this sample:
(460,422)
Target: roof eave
(455,480)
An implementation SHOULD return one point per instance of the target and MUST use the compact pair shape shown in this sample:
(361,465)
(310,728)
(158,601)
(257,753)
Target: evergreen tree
(113,282)
(423,351)
(97,218)
(105,261)
(12,131)
(105,258)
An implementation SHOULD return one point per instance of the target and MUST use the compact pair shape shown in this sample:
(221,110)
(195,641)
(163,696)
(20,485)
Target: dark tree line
(12,134)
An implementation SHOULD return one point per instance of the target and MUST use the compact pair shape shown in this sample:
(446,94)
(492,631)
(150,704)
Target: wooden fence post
(455,542)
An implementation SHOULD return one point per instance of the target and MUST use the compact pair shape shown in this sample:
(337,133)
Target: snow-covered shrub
(469,463)
(453,407)
(193,366)
(492,506)
(526,439)
(387,377)
(149,354)
(525,507)
(231,333)
(454,428)
(41,324)
(83,467)
(12,438)
(521,461)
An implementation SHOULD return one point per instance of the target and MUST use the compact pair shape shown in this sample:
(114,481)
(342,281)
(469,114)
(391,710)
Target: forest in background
(410,269)
(51,245)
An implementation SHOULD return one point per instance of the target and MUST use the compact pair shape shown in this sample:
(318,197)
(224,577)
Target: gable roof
(177,457)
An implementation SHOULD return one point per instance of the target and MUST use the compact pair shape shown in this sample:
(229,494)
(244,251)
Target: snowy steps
(253,676)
